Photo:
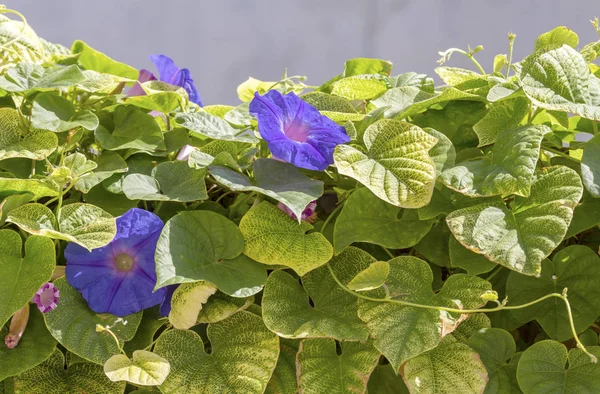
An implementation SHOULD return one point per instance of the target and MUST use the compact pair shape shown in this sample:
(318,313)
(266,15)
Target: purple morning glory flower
(296,131)
(169,73)
(119,277)
(46,298)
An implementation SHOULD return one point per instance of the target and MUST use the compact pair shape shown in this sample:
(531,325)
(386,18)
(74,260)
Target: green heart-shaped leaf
(397,167)
(28,76)
(83,224)
(11,202)
(590,166)
(402,332)
(509,170)
(160,96)
(521,237)
(283,380)
(359,87)
(505,115)
(576,268)
(405,101)
(170,181)
(242,358)
(73,324)
(556,37)
(273,238)
(559,79)
(495,347)
(22,275)
(16,142)
(372,277)
(220,306)
(108,163)
(473,263)
(547,367)
(35,346)
(207,125)
(452,367)
(145,369)
(287,311)
(273,178)
(51,377)
(133,129)
(55,113)
(92,59)
(367,218)
(321,369)
(38,187)
(443,152)
(203,245)
(384,380)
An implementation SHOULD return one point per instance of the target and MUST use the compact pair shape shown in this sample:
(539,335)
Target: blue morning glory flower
(119,277)
(169,73)
(296,131)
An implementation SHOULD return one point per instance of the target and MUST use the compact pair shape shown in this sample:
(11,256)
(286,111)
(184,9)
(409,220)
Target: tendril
(500,307)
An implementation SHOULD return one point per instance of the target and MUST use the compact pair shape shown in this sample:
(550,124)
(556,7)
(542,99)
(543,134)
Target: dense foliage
(375,233)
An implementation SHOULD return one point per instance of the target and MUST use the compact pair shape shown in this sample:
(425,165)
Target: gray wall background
(224,42)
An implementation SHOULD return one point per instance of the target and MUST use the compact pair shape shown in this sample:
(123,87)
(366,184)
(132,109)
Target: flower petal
(110,290)
(269,114)
(166,67)
(145,76)
(136,225)
(301,155)
(165,306)
(296,131)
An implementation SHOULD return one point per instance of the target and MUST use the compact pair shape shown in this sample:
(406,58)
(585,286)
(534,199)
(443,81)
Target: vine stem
(500,307)
(388,252)
(562,154)
(333,213)
(99,328)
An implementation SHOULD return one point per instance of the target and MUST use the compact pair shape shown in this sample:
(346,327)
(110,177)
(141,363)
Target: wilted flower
(169,73)
(17,327)
(184,153)
(296,131)
(119,277)
(46,298)
(309,213)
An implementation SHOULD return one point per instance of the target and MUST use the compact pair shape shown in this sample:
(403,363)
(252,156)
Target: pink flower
(46,297)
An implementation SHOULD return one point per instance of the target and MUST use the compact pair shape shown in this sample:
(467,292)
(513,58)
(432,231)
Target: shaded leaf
(576,268)
(543,369)
(203,245)
(73,324)
(287,311)
(273,178)
(366,218)
(22,273)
